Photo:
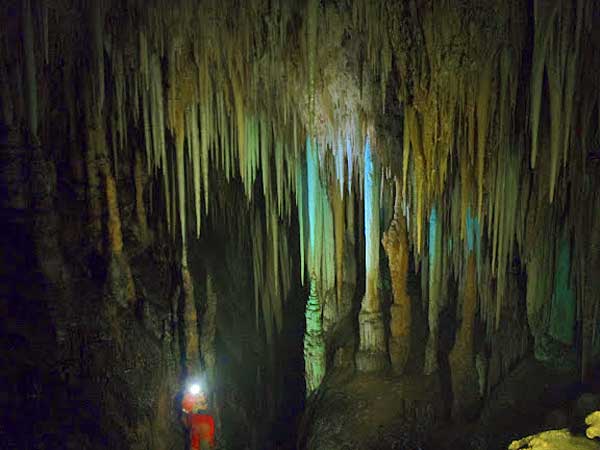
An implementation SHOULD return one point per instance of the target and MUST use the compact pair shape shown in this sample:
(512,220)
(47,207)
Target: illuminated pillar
(435,282)
(372,354)
(314,343)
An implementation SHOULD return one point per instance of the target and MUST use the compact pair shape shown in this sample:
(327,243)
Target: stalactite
(484,113)
(243,103)
(311,46)
(195,154)
(321,242)
(140,206)
(435,293)
(371,193)
(300,194)
(544,18)
(181,188)
(338,213)
(97,30)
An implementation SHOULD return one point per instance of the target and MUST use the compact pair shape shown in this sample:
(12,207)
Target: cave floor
(410,412)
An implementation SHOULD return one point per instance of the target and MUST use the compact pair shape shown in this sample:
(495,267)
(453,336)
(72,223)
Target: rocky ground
(409,413)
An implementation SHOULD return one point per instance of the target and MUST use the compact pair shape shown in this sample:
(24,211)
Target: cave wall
(123,122)
(82,366)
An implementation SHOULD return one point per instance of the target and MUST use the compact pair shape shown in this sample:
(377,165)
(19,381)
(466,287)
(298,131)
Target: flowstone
(371,356)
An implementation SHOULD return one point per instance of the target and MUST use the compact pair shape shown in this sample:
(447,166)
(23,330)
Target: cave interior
(359,224)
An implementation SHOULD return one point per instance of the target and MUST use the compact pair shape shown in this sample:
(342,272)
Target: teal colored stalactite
(433,223)
(473,232)
(321,242)
(372,182)
(562,315)
(314,184)
(435,283)
(301,203)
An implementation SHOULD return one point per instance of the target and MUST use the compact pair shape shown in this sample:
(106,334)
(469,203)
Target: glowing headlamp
(195,388)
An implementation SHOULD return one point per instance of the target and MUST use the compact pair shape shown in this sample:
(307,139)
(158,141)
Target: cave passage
(311,224)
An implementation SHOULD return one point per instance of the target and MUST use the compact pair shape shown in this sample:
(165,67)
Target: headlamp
(195,386)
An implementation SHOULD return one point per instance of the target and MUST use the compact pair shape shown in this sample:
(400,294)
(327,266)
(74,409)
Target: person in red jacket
(200,423)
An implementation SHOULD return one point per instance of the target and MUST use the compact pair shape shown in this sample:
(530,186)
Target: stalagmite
(314,344)
(465,388)
(562,314)
(488,133)
(120,271)
(371,355)
(395,243)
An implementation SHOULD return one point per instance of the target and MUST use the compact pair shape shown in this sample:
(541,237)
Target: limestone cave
(299,224)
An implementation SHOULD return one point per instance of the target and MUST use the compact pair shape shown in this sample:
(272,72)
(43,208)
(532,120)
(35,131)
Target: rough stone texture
(593,425)
(465,384)
(554,440)
(395,244)
(86,366)
(314,344)
(189,312)
(371,356)
(373,412)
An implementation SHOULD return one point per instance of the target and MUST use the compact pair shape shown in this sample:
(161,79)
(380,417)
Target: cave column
(463,372)
(314,343)
(395,243)
(435,282)
(371,355)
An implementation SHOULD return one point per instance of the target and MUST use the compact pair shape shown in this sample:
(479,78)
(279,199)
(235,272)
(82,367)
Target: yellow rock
(593,420)
(555,440)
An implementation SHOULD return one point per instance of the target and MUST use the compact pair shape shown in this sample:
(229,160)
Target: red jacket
(201,424)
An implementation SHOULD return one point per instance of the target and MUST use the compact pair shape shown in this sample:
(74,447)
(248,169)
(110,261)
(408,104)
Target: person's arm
(185,418)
